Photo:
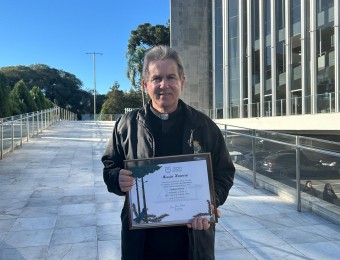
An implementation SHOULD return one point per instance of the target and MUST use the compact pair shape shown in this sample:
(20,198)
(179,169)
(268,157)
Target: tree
(147,35)
(135,70)
(144,37)
(40,101)
(21,96)
(62,88)
(132,99)
(114,104)
(5,109)
(116,100)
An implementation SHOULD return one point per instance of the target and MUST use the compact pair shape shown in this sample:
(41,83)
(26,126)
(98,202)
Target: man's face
(164,85)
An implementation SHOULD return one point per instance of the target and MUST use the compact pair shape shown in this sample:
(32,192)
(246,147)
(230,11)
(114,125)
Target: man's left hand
(200,223)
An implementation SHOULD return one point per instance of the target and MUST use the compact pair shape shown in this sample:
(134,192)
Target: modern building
(262,59)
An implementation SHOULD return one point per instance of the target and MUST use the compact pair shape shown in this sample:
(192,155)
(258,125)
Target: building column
(241,55)
(262,41)
(288,49)
(213,53)
(249,60)
(225,17)
(304,63)
(337,54)
(313,58)
(273,54)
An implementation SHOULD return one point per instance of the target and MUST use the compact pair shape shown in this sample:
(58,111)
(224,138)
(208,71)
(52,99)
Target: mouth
(164,94)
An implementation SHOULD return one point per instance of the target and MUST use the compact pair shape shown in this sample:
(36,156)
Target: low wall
(308,202)
(316,122)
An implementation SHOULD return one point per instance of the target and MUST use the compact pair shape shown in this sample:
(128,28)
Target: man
(166,126)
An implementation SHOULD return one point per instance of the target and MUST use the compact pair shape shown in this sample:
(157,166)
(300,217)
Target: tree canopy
(60,87)
(5,109)
(141,39)
(117,100)
(147,36)
(23,101)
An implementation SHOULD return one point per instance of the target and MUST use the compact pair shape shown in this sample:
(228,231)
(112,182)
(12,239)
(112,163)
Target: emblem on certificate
(171,190)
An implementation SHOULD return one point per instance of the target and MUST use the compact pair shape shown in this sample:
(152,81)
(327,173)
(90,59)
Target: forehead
(168,66)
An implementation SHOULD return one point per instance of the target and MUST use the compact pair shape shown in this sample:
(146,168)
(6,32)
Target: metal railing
(302,158)
(100,117)
(17,129)
(325,103)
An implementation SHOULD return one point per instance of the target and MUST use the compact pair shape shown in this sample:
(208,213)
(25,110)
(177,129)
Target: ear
(144,84)
(182,83)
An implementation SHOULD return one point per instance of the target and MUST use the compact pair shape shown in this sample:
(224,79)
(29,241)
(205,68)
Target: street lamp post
(94,81)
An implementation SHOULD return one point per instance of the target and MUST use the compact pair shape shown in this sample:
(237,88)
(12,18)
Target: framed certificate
(171,190)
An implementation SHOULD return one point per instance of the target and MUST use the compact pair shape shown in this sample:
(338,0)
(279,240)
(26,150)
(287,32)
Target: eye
(156,79)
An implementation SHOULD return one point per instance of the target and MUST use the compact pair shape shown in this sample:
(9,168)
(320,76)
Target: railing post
(28,126)
(38,123)
(12,132)
(44,118)
(253,144)
(32,124)
(41,121)
(2,138)
(20,129)
(50,117)
(298,174)
(225,133)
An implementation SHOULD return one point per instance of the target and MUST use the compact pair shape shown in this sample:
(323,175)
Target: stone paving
(54,205)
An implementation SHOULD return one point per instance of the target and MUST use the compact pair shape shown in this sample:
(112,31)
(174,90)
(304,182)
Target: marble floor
(54,205)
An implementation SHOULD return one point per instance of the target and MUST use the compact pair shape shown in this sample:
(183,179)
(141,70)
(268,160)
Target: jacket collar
(191,114)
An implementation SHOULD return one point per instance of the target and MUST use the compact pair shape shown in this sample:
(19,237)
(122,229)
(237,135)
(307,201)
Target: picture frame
(171,190)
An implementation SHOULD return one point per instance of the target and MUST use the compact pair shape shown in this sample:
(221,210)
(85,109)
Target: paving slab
(54,205)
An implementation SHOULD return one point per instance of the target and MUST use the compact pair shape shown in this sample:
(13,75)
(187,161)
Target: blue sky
(58,33)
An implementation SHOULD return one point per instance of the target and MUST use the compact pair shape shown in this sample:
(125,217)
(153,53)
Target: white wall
(322,122)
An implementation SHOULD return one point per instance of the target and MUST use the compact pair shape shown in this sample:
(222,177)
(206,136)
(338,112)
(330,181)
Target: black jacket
(200,134)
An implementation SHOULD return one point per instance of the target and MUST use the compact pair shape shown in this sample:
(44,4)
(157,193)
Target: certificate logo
(177,169)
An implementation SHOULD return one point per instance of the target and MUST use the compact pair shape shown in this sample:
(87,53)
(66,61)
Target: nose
(164,83)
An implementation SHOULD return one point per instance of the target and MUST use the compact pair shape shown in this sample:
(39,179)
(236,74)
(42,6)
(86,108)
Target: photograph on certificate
(170,190)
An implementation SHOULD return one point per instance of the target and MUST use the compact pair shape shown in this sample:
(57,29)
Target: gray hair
(162,52)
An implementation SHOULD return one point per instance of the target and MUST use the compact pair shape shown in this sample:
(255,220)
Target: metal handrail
(30,124)
(296,144)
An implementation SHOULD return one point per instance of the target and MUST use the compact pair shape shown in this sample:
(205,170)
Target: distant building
(259,58)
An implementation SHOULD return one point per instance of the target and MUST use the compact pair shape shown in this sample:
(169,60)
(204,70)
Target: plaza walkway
(54,205)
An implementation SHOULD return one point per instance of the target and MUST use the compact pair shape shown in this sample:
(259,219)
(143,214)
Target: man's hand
(200,223)
(125,180)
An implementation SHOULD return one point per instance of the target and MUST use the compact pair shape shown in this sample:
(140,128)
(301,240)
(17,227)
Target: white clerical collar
(163,116)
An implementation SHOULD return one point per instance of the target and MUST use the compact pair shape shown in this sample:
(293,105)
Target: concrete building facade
(191,29)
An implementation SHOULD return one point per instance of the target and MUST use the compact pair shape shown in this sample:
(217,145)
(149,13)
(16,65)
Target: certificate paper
(170,190)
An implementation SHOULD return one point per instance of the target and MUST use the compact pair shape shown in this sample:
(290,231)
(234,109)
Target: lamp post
(94,81)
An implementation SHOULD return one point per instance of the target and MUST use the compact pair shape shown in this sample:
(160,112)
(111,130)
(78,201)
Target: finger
(199,223)
(125,187)
(125,180)
(206,224)
(124,172)
(218,213)
(194,224)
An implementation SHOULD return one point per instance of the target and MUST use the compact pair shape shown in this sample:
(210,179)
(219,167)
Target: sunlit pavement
(54,205)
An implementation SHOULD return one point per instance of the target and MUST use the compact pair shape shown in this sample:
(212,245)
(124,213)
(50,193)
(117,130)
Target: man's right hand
(125,180)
